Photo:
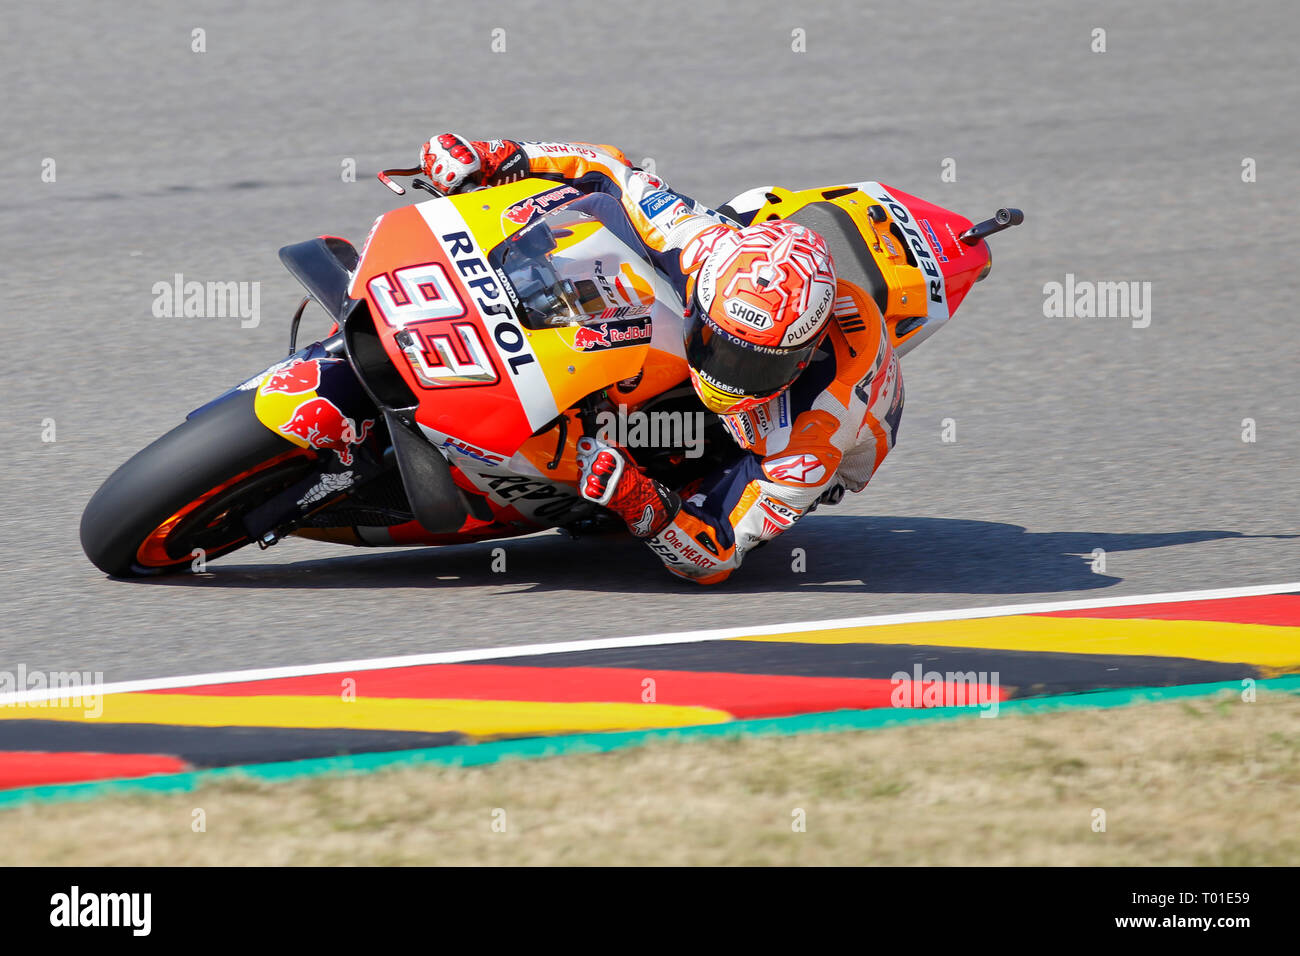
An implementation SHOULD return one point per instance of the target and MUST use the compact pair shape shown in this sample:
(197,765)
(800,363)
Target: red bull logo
(613,334)
(300,376)
(589,338)
(524,212)
(320,424)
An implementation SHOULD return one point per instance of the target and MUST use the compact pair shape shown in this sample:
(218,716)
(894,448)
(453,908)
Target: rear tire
(189,490)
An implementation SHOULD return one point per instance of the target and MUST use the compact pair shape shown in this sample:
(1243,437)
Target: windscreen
(579,264)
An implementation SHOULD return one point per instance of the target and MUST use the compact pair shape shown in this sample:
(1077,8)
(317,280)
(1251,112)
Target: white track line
(649,640)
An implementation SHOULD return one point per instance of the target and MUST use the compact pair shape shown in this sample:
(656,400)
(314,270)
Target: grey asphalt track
(1072,434)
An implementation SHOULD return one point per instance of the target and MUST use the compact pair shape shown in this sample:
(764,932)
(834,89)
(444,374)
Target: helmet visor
(735,366)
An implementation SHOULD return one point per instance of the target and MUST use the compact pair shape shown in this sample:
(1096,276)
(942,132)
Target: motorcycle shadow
(831,553)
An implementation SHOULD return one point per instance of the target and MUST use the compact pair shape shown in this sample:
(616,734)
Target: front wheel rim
(211,522)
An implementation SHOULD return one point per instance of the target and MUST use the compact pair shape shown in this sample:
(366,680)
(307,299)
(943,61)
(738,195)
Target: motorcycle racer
(800,370)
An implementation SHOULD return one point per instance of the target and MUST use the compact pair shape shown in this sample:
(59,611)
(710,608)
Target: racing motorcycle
(476,337)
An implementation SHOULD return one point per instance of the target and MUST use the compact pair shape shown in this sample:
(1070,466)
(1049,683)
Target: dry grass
(1210,782)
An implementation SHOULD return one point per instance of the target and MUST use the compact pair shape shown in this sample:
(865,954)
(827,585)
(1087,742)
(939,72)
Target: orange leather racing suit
(825,435)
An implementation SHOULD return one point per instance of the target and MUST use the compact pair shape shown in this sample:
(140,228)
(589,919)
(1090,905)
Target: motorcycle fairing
(962,265)
(446,321)
(313,399)
(324,267)
(926,271)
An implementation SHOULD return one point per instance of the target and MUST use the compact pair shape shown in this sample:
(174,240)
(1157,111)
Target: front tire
(188,492)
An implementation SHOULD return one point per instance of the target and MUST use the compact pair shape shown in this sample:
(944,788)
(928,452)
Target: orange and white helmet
(760,307)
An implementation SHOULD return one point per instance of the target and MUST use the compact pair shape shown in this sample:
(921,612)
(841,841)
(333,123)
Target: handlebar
(384,174)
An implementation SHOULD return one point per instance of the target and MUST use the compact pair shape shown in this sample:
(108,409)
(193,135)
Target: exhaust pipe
(1004,218)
